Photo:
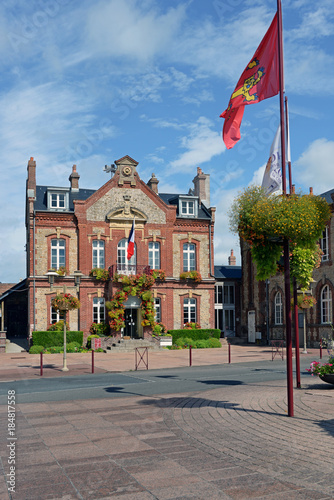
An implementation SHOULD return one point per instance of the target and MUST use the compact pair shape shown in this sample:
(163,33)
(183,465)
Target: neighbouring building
(228,298)
(263,312)
(76,230)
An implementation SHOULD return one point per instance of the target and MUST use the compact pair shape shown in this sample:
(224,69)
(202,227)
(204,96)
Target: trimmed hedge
(200,334)
(52,339)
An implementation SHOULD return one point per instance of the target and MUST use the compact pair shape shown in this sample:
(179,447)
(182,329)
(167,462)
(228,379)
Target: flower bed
(321,369)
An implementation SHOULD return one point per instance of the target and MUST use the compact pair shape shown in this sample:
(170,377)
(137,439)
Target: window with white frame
(98,253)
(326,305)
(57,200)
(189,257)
(189,311)
(154,254)
(58,253)
(157,306)
(125,266)
(278,309)
(56,315)
(324,245)
(188,206)
(219,294)
(98,310)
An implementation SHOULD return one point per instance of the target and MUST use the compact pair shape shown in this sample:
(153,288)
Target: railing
(128,269)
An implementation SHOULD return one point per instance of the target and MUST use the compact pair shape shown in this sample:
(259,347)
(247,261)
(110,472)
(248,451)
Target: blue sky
(90,82)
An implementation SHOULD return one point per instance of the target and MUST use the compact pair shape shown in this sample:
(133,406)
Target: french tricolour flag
(131,241)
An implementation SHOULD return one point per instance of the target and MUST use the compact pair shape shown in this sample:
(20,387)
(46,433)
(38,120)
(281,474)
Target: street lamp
(51,274)
(77,278)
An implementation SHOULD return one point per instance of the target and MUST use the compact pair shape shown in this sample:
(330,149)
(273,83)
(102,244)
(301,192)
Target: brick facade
(106,215)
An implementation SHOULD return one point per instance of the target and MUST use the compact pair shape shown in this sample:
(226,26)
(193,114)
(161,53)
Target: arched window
(98,253)
(154,254)
(98,310)
(189,257)
(125,266)
(58,253)
(278,309)
(189,311)
(326,304)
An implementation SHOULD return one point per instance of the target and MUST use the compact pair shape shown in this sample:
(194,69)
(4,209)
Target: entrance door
(131,323)
(251,326)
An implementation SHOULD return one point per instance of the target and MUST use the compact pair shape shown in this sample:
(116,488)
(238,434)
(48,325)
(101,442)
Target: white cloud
(314,167)
(225,240)
(201,145)
(132,29)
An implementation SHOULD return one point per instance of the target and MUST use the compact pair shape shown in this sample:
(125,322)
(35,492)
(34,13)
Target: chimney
(153,183)
(31,181)
(202,187)
(74,179)
(232,259)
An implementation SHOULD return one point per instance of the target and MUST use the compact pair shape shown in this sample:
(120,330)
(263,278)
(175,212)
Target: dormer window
(57,199)
(188,206)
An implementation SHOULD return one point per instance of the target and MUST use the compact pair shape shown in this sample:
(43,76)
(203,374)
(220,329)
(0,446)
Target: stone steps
(130,345)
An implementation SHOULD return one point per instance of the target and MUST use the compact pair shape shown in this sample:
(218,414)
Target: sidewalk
(228,443)
(22,365)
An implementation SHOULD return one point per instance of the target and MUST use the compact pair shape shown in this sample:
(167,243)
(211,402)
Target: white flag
(272,179)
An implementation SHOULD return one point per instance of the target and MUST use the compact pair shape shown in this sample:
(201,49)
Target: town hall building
(71,231)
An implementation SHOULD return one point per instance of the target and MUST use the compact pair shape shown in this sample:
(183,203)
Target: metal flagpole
(295,302)
(286,242)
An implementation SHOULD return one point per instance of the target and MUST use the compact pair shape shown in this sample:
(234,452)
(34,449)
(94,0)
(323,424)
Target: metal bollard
(229,353)
(320,348)
(190,360)
(41,364)
(92,360)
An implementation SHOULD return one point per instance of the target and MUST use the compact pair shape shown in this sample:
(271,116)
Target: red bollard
(229,353)
(92,360)
(41,367)
(190,360)
(320,348)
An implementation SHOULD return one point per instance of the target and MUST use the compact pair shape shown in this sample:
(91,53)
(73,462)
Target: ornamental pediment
(126,214)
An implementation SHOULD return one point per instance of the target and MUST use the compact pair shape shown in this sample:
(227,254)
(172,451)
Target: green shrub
(201,344)
(56,338)
(213,342)
(73,347)
(58,327)
(54,349)
(36,349)
(199,334)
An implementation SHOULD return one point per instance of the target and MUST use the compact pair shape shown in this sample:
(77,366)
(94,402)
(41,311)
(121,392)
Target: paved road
(174,380)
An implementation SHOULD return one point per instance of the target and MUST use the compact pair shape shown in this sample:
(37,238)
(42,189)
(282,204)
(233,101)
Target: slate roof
(41,198)
(173,199)
(84,194)
(227,272)
(327,196)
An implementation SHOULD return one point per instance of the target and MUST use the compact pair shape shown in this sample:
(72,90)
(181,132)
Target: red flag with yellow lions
(259,81)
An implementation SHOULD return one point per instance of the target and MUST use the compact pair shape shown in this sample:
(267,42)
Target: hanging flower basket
(264,222)
(65,302)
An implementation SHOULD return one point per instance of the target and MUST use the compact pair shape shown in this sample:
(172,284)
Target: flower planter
(329,378)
